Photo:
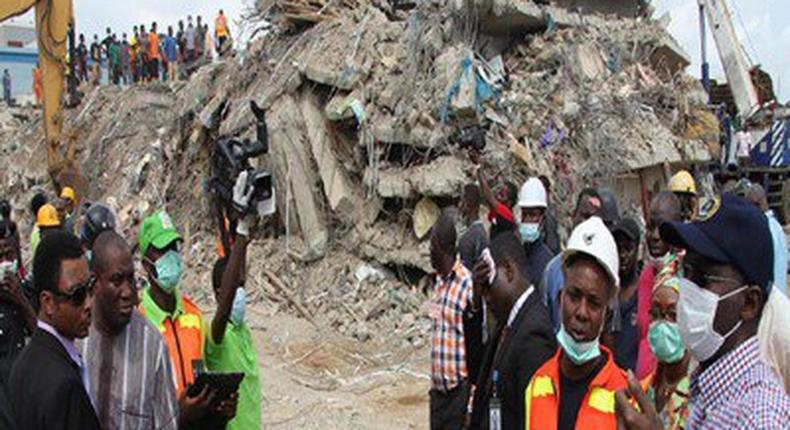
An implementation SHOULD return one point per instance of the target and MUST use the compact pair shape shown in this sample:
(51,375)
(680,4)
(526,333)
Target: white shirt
(519,303)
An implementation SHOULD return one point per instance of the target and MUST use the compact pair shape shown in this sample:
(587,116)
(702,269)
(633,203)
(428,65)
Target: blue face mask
(578,352)
(239,307)
(666,341)
(529,233)
(168,271)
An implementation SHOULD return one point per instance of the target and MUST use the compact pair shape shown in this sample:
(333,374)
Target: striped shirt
(131,377)
(451,295)
(738,391)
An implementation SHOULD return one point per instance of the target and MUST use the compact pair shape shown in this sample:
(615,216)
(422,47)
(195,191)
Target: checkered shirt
(738,391)
(451,295)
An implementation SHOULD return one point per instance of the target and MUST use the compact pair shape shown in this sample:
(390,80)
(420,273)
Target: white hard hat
(594,239)
(532,194)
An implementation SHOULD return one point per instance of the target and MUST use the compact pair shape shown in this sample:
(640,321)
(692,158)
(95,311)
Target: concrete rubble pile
(362,107)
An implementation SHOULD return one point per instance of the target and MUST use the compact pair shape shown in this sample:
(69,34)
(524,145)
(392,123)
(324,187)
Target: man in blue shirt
(171,53)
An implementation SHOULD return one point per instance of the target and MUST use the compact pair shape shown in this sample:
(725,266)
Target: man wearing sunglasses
(727,278)
(49,382)
(128,363)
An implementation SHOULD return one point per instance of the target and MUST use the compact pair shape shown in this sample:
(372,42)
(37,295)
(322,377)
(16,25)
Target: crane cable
(738,13)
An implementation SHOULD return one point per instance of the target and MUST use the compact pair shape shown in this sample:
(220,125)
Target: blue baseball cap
(729,231)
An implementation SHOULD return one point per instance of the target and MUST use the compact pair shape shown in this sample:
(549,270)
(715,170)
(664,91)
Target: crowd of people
(151,53)
(86,343)
(677,319)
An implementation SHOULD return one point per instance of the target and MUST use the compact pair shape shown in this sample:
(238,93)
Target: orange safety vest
(542,397)
(185,341)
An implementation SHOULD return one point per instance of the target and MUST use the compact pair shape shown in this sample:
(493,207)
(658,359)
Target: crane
(54,19)
(731,55)
(768,128)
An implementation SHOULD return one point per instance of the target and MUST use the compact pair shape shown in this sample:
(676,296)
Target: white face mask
(696,313)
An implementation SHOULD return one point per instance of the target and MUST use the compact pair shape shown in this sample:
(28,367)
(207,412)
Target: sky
(763,26)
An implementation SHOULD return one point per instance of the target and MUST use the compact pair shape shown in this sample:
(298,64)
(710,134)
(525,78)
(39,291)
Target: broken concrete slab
(344,198)
(289,145)
(426,212)
(443,177)
(588,62)
(668,58)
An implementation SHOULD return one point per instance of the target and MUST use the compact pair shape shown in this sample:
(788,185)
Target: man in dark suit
(48,386)
(524,337)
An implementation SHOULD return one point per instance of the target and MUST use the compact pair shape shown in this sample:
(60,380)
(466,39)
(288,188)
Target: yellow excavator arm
(53,18)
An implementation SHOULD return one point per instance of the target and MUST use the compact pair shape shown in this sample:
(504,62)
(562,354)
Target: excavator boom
(53,18)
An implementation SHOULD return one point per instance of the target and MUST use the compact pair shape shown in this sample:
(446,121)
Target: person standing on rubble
(144,58)
(663,263)
(82,60)
(523,341)
(451,297)
(153,53)
(178,319)
(474,239)
(114,61)
(182,43)
(200,38)
(575,388)
(126,55)
(221,32)
(588,204)
(171,54)
(7,87)
(96,59)
(190,38)
(230,347)
(208,44)
(532,205)
(131,378)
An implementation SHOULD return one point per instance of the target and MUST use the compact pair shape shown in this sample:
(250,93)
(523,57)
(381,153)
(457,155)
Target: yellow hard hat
(683,182)
(47,216)
(67,193)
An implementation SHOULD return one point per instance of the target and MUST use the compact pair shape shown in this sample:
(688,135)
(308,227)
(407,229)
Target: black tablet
(225,384)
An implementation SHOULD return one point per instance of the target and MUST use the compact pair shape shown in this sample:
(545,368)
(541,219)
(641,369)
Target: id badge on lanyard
(495,414)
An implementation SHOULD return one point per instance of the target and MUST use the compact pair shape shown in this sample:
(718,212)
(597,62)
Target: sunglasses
(77,293)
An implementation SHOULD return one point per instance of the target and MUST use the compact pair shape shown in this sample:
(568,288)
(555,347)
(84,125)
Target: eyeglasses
(703,279)
(78,293)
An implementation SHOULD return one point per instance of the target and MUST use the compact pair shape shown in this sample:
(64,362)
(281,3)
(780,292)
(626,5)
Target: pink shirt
(646,361)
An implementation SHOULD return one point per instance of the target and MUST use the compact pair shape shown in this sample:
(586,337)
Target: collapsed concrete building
(364,102)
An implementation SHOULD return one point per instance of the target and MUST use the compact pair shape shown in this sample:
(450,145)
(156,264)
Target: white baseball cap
(532,194)
(593,238)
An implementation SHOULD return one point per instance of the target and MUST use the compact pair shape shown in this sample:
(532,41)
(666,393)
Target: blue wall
(20,62)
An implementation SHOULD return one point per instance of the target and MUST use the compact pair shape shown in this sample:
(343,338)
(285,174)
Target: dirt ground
(315,378)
